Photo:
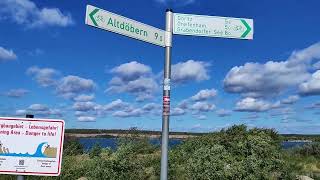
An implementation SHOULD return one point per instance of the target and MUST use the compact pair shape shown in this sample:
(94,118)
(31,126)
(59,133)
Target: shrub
(95,151)
(309,149)
(234,153)
(72,146)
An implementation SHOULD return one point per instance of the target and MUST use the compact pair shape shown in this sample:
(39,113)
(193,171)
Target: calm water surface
(112,143)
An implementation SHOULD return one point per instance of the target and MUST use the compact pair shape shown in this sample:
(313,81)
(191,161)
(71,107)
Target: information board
(31,146)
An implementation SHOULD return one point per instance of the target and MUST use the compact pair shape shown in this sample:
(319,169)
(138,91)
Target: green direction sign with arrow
(103,19)
(212,26)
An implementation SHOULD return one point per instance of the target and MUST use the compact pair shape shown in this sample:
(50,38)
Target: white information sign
(106,20)
(31,146)
(212,26)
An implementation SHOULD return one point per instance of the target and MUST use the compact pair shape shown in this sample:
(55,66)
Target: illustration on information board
(43,150)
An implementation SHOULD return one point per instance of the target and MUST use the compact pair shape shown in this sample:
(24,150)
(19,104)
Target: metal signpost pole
(20,177)
(166,96)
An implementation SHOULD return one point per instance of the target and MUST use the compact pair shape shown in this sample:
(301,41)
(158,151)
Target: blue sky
(54,66)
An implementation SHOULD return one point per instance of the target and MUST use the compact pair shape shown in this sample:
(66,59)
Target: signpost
(212,26)
(102,19)
(183,24)
(31,146)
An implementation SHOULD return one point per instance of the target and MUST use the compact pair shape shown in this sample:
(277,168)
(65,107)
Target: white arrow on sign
(103,19)
(212,26)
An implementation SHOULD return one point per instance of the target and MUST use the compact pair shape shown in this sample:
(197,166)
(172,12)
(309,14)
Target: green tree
(72,146)
(95,151)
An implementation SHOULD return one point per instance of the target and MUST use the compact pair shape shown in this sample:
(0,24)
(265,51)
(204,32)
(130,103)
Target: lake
(88,143)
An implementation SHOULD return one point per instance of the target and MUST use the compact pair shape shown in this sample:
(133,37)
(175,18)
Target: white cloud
(203,106)
(84,106)
(26,12)
(202,117)
(70,86)
(177,112)
(252,105)
(256,80)
(190,70)
(40,110)
(316,65)
(184,104)
(21,112)
(44,76)
(126,114)
(116,105)
(7,55)
(84,97)
(150,107)
(133,78)
(271,78)
(305,55)
(204,94)
(290,99)
(223,112)
(312,86)
(86,119)
(131,71)
(38,107)
(285,112)
(16,93)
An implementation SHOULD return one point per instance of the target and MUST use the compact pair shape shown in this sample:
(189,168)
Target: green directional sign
(212,26)
(103,19)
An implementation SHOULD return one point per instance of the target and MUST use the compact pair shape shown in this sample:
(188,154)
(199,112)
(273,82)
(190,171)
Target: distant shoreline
(117,135)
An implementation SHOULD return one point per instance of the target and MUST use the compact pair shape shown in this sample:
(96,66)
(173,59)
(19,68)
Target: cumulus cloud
(189,71)
(84,97)
(16,93)
(305,55)
(7,55)
(316,65)
(25,12)
(177,112)
(312,86)
(203,106)
(284,112)
(38,107)
(44,76)
(21,112)
(116,105)
(131,71)
(223,112)
(40,110)
(70,86)
(204,94)
(131,113)
(150,107)
(133,78)
(271,78)
(201,117)
(86,119)
(84,106)
(184,104)
(252,105)
(290,99)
